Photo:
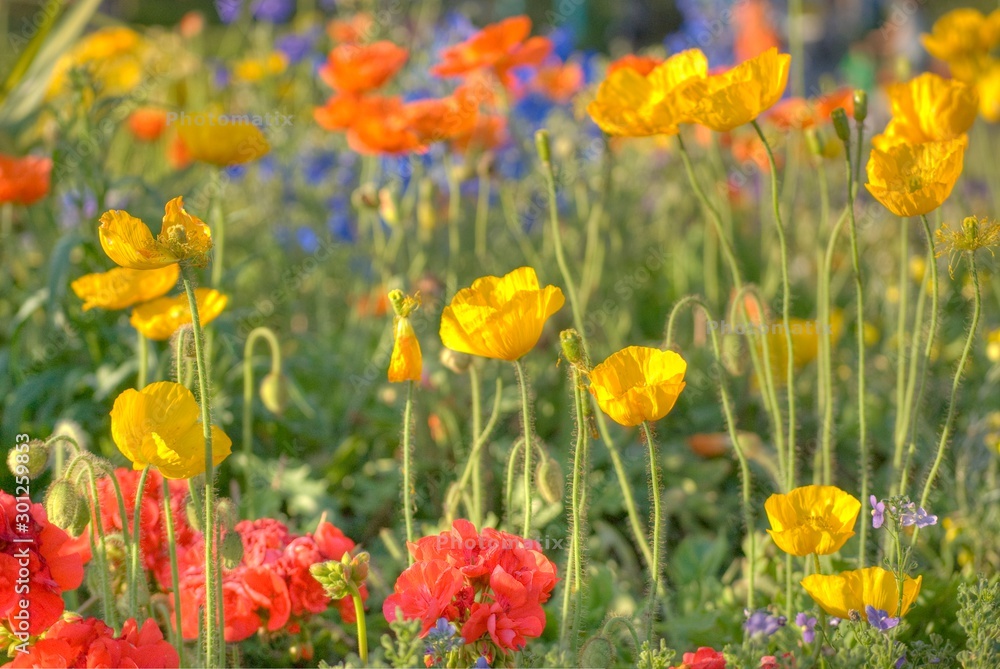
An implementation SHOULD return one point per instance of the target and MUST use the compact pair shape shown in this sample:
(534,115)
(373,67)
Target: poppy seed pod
(860,105)
(274,392)
(66,508)
(30,462)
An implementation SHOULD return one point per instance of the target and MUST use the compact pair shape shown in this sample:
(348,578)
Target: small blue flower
(442,630)
(878,512)
(763,624)
(296,46)
(481,663)
(920,518)
(880,619)
(808,625)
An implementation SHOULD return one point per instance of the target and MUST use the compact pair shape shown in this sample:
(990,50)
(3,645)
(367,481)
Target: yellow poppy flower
(849,591)
(638,384)
(928,108)
(911,180)
(252,70)
(739,95)
(129,242)
(963,38)
(499,317)
(159,426)
(632,105)
(988,87)
(161,318)
(120,287)
(805,342)
(406,363)
(812,519)
(113,57)
(222,140)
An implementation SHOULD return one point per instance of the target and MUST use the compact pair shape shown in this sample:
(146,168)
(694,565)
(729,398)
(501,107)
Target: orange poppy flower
(384,128)
(339,112)
(560,82)
(351,30)
(178,153)
(641,64)
(488,133)
(353,68)
(500,46)
(24,180)
(435,120)
(755,32)
(799,113)
(147,123)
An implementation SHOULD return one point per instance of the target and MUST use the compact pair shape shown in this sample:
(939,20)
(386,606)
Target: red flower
(641,64)
(559,82)
(37,564)
(703,658)
(147,123)
(424,592)
(24,180)
(264,541)
(88,642)
(514,614)
(357,69)
(499,47)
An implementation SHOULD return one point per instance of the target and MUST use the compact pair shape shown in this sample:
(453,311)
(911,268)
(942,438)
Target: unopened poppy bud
(114,544)
(66,508)
(387,207)
(549,479)
(365,197)
(814,142)
(226,513)
(841,125)
(860,105)
(194,515)
(30,462)
(455,361)
(543,145)
(232,550)
(598,652)
(274,392)
(572,347)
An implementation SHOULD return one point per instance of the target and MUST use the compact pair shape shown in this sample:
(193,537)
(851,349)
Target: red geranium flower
(703,658)
(37,564)
(88,642)
(424,592)
(24,180)
(514,614)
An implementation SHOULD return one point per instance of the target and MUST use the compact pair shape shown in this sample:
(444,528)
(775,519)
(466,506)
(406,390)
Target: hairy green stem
(407,473)
(168,516)
(654,485)
(522,381)
(573,585)
(133,585)
(901,426)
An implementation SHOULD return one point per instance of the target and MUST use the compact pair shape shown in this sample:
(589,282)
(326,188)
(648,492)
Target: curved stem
(133,585)
(522,380)
(212,617)
(826,338)
(574,576)
(956,381)
(143,354)
(786,303)
(860,327)
(359,613)
(471,466)
(272,340)
(407,474)
(654,485)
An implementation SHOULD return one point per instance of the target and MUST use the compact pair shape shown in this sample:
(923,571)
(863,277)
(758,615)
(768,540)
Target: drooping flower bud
(841,125)
(274,392)
(30,462)
(66,508)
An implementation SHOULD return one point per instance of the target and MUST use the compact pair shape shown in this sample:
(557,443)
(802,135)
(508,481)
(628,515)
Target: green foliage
(979,616)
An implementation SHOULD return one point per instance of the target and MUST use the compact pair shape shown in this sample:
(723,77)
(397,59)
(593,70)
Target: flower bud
(549,479)
(597,652)
(226,513)
(232,550)
(66,508)
(274,392)
(860,105)
(194,516)
(841,125)
(332,575)
(455,361)
(543,145)
(31,462)
(365,197)
(359,567)
(572,348)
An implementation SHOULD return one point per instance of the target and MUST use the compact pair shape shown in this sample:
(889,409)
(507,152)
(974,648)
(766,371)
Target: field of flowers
(462,345)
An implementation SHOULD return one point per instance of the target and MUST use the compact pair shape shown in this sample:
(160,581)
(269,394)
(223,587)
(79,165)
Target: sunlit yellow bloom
(963,38)
(805,342)
(638,384)
(159,426)
(993,345)
(499,317)
(812,519)
(915,179)
(160,319)
(112,57)
(406,363)
(928,108)
(739,95)
(988,86)
(222,140)
(129,242)
(632,105)
(120,287)
(849,591)
(251,70)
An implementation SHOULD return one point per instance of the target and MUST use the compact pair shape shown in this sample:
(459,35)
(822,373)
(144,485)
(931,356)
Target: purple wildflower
(878,512)
(920,518)
(880,619)
(808,625)
(482,663)
(762,623)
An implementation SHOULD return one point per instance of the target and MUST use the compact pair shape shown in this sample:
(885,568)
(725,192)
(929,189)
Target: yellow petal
(812,519)
(222,140)
(911,180)
(928,108)
(849,591)
(638,384)
(129,243)
(197,238)
(120,287)
(406,363)
(741,94)
(159,319)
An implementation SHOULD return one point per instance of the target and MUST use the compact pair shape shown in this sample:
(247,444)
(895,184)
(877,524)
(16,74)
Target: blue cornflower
(878,512)
(481,663)
(296,46)
(808,625)
(762,623)
(880,619)
(442,630)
